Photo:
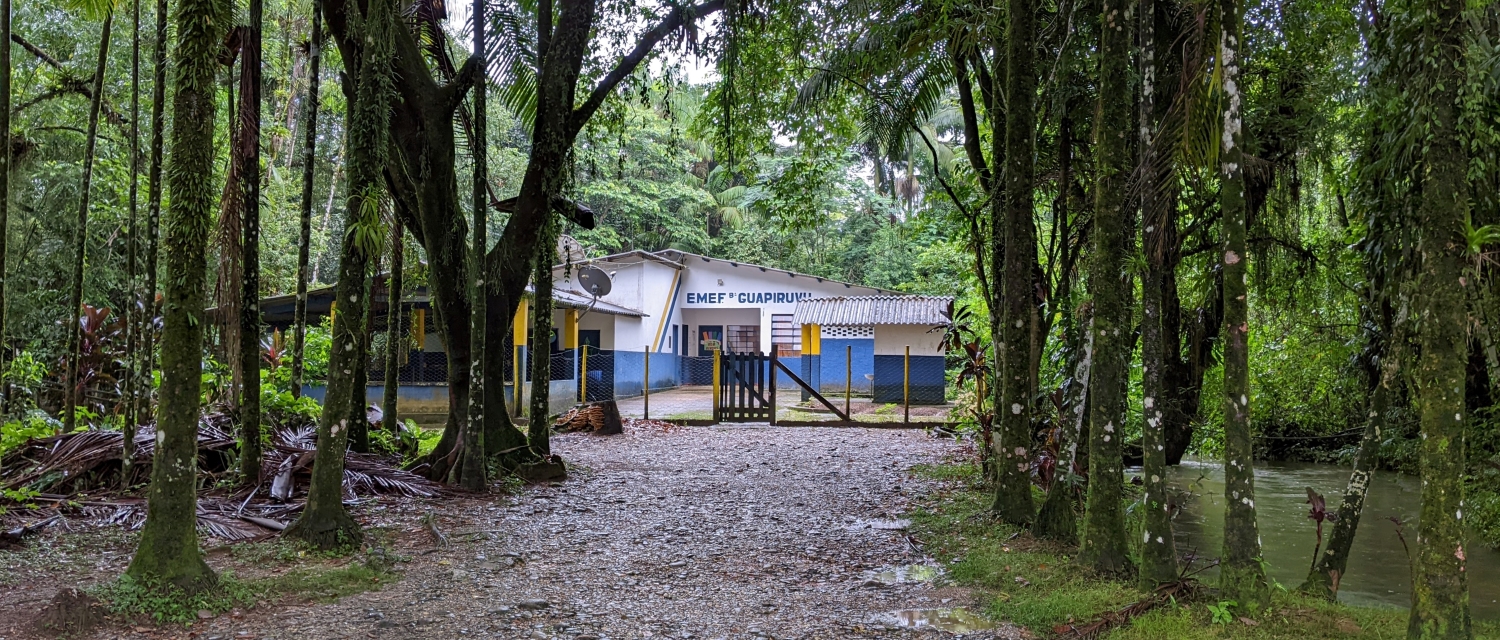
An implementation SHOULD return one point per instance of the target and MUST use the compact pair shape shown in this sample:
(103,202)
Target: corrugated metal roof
(868,310)
(566,299)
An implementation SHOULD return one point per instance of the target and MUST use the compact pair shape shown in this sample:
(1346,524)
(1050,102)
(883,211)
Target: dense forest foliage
(1238,230)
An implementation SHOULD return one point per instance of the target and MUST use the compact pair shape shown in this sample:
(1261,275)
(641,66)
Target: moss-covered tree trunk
(1158,552)
(539,429)
(1241,577)
(324,522)
(1104,545)
(1440,589)
(71,392)
(1013,501)
(309,166)
(471,472)
(1332,562)
(168,549)
(395,337)
(250,430)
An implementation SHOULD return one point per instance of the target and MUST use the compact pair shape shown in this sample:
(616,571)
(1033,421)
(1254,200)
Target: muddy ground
(704,532)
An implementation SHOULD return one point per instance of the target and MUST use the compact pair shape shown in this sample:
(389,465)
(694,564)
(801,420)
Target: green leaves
(94,9)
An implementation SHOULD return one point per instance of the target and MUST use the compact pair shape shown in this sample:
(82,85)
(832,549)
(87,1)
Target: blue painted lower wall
(836,352)
(630,373)
(928,384)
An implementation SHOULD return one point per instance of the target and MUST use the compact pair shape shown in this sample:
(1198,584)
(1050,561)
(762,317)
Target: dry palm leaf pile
(76,476)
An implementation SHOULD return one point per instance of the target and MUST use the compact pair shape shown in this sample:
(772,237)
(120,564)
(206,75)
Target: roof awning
(872,310)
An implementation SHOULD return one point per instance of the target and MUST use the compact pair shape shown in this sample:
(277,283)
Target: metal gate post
(716,389)
(906,384)
(646,389)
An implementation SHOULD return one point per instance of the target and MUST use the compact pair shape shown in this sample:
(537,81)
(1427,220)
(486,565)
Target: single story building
(670,310)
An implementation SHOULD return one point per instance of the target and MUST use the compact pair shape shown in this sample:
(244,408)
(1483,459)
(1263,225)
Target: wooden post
(646,389)
(848,378)
(583,375)
(716,385)
(906,384)
(775,355)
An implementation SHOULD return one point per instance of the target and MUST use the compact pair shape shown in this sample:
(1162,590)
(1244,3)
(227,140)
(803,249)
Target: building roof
(870,310)
(278,310)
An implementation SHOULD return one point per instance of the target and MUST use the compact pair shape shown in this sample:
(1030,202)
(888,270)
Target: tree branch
(679,16)
(36,51)
(452,94)
(970,117)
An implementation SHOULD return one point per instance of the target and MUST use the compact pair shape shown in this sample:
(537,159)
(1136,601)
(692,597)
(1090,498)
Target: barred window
(743,338)
(786,338)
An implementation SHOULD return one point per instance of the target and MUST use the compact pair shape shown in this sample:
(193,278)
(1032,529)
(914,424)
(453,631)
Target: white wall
(892,340)
(716,285)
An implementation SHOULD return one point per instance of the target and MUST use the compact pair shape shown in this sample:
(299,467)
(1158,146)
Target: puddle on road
(880,524)
(956,620)
(904,574)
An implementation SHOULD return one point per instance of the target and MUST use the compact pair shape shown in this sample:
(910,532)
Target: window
(786,338)
(743,338)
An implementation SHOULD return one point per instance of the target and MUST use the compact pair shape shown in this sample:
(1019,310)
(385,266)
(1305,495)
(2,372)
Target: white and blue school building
(690,305)
(669,311)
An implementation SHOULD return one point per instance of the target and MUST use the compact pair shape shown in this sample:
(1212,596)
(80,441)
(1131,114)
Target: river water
(1378,573)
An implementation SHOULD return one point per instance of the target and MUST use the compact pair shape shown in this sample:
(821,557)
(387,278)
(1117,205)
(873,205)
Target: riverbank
(1035,584)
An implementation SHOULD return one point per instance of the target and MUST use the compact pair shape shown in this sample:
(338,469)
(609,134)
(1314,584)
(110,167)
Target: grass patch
(166,603)
(1037,584)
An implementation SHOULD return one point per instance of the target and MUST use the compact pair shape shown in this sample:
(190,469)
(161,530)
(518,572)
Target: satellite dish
(594,280)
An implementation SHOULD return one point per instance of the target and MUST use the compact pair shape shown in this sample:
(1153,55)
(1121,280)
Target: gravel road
(721,532)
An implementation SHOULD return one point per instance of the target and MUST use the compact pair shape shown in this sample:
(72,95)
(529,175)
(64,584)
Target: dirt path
(748,532)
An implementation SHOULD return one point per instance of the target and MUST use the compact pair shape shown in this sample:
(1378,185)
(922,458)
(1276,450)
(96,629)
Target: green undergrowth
(1037,584)
(165,603)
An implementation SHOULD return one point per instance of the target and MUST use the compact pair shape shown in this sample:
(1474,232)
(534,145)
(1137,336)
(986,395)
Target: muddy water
(1378,568)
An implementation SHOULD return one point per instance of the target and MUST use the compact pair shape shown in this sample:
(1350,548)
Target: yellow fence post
(516,375)
(906,384)
(583,376)
(716,385)
(646,389)
(848,378)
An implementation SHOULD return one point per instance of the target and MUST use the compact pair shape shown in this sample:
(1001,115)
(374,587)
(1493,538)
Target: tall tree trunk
(250,431)
(153,213)
(309,164)
(230,235)
(470,473)
(5,73)
(1331,564)
(325,523)
(1158,552)
(133,307)
(1013,501)
(168,549)
(539,428)
(1241,577)
(359,430)
(1440,588)
(80,234)
(1104,546)
(1056,520)
(395,338)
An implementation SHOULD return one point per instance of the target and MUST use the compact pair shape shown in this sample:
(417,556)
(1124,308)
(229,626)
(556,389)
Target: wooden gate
(744,392)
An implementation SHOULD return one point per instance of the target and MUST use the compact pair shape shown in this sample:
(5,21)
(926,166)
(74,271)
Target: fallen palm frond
(89,458)
(57,471)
